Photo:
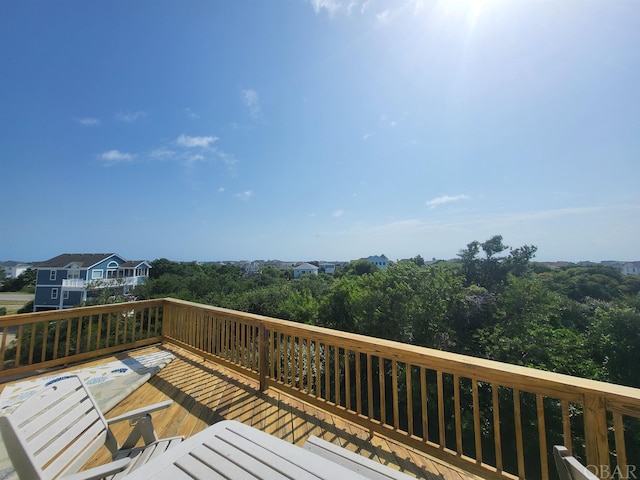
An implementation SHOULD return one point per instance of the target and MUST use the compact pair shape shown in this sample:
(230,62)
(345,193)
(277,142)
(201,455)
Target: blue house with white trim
(66,280)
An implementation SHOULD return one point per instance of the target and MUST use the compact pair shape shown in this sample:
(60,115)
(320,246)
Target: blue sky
(319,130)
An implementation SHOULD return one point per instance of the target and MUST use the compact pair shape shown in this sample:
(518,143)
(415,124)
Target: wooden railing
(59,337)
(490,418)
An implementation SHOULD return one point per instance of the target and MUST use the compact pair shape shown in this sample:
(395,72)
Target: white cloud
(386,122)
(162,153)
(383,17)
(446,199)
(88,121)
(130,117)
(191,142)
(252,101)
(331,6)
(190,113)
(246,195)
(337,213)
(191,159)
(112,157)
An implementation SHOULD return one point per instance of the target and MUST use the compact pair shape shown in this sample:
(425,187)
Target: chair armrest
(364,466)
(101,471)
(140,412)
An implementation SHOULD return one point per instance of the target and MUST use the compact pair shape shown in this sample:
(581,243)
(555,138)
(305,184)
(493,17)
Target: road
(16,297)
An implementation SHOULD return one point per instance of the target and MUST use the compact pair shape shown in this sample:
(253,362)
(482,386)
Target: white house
(631,268)
(304,269)
(380,261)
(328,268)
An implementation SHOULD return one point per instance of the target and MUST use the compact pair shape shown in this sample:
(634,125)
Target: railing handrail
(455,363)
(18,319)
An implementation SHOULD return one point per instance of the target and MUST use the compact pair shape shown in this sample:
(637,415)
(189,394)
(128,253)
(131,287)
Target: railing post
(263,357)
(595,432)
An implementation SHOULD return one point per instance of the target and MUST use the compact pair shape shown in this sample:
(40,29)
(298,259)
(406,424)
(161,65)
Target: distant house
(251,269)
(380,261)
(304,269)
(14,269)
(66,280)
(328,268)
(631,268)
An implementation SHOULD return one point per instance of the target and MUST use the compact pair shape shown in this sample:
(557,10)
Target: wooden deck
(205,393)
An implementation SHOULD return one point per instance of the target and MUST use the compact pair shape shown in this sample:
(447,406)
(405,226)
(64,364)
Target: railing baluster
(336,373)
(98,333)
(308,369)
(68,341)
(287,348)
(125,325)
(301,363)
(116,318)
(394,394)
(358,374)
(409,399)
(89,324)
(542,437)
(497,439)
(347,379)
(56,339)
(19,346)
(316,352)
(32,343)
(621,449)
(441,430)
(370,413)
(457,411)
(5,331)
(476,420)
(518,426)
(423,397)
(566,426)
(383,400)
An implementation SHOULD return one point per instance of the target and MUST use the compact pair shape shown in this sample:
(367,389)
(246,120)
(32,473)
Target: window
(52,275)
(73,274)
(112,269)
(65,294)
(54,294)
(96,274)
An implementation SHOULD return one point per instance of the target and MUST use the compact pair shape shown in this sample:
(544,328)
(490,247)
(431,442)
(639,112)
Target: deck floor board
(205,393)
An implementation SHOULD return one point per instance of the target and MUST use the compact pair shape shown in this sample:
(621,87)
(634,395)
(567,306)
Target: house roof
(81,259)
(305,266)
(134,263)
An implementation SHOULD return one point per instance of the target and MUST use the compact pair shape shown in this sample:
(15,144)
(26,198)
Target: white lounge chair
(569,468)
(356,463)
(56,431)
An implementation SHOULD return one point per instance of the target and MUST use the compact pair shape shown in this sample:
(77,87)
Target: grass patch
(12,306)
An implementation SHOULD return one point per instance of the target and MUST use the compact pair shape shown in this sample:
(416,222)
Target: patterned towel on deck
(109,383)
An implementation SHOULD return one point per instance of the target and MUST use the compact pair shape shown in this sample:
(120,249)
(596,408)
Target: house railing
(493,419)
(59,337)
(490,418)
(69,283)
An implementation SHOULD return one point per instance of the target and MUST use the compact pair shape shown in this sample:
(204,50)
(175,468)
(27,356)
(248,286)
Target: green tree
(614,337)
(491,271)
(528,331)
(357,268)
(26,281)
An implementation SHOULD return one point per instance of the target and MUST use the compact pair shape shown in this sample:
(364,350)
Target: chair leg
(143,429)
